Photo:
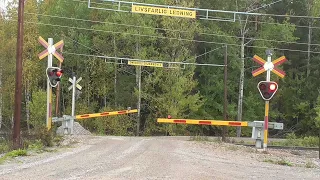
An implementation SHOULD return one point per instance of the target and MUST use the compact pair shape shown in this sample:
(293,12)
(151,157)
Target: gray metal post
(73,102)
(49,89)
(268,66)
(258,139)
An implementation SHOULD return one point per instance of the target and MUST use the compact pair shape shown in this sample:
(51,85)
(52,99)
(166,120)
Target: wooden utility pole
(18,87)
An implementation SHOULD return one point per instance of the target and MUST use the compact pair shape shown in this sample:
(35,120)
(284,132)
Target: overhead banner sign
(139,63)
(164,11)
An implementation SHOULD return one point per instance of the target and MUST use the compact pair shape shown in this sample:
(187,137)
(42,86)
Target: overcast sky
(2,4)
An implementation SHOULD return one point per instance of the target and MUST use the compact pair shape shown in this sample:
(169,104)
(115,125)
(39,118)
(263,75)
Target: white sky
(3,4)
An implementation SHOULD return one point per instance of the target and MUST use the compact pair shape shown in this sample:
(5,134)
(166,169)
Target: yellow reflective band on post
(265,137)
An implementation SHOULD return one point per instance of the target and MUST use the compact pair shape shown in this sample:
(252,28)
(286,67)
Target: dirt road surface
(158,158)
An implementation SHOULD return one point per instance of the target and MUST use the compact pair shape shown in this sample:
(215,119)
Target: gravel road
(106,157)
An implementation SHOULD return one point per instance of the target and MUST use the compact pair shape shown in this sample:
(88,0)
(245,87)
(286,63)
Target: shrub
(4,146)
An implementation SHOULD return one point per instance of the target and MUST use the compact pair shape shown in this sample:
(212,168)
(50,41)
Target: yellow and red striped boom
(203,122)
(112,113)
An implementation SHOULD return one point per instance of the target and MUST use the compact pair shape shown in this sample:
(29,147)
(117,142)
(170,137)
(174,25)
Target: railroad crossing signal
(51,49)
(269,66)
(77,85)
(267,89)
(54,75)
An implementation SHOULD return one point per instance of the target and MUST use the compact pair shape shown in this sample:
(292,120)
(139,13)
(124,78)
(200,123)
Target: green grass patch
(310,164)
(233,148)
(293,140)
(199,138)
(36,146)
(268,161)
(280,162)
(12,154)
(284,162)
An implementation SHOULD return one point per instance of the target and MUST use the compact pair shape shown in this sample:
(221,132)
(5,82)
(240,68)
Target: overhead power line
(170,38)
(235,19)
(173,30)
(194,9)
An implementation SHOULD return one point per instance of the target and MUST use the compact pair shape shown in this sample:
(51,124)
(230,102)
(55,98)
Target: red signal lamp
(273,87)
(59,73)
(267,89)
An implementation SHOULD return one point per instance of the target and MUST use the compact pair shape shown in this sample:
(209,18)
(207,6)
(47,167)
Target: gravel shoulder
(110,157)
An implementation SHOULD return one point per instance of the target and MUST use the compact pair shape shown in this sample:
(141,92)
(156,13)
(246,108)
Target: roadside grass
(13,154)
(310,164)
(29,146)
(293,140)
(279,162)
(233,148)
(207,139)
(199,138)
(37,146)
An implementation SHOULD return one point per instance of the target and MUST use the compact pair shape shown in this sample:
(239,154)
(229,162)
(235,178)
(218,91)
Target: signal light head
(267,89)
(54,75)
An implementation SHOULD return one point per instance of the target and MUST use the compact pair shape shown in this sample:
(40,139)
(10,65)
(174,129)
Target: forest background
(194,92)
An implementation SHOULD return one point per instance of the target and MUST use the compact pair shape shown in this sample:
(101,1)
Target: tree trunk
(138,81)
(225,105)
(27,98)
(309,47)
(239,116)
(12,121)
(115,72)
(1,97)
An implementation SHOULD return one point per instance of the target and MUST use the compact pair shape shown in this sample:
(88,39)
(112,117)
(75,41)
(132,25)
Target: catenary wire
(161,37)
(173,30)
(217,11)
